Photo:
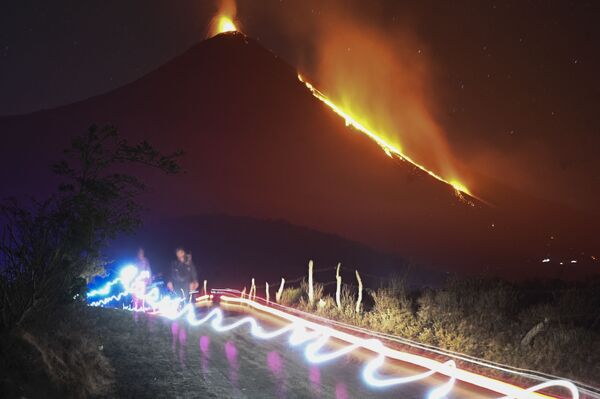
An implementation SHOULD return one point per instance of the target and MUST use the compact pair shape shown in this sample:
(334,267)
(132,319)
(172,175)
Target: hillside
(259,145)
(230,250)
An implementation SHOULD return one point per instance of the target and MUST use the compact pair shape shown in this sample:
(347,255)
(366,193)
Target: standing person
(183,277)
(140,284)
(141,262)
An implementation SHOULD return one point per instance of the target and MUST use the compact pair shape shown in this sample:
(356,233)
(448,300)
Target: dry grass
(483,318)
(74,362)
(290,296)
(57,356)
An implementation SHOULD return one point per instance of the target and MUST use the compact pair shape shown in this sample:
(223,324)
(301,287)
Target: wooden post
(311,290)
(243,292)
(205,290)
(280,291)
(267,291)
(360,288)
(338,287)
(253,290)
(538,328)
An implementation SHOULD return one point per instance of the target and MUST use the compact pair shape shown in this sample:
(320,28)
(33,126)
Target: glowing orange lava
(390,149)
(225,24)
(224,19)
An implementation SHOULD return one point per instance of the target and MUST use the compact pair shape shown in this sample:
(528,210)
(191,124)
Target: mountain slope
(230,250)
(258,144)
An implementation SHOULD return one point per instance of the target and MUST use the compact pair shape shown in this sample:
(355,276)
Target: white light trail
(317,332)
(317,337)
(105,290)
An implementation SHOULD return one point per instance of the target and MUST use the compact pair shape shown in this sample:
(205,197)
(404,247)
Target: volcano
(259,145)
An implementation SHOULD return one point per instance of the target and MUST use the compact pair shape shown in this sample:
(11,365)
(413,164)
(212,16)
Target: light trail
(129,278)
(105,301)
(390,149)
(316,338)
(520,372)
(126,275)
(321,335)
(105,290)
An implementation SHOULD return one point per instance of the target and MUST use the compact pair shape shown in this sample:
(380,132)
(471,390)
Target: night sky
(514,83)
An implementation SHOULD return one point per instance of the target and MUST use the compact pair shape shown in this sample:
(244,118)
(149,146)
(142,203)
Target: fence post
(253,290)
(338,287)
(280,291)
(205,291)
(360,289)
(538,328)
(311,290)
(243,292)
(267,291)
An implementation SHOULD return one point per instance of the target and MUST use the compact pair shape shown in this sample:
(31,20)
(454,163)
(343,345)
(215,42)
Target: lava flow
(391,150)
(224,22)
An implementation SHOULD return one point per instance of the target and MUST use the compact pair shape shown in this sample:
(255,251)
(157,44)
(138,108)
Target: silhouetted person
(141,262)
(139,289)
(183,277)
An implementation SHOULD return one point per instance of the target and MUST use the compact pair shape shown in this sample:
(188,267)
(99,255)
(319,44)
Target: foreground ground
(153,357)
(135,355)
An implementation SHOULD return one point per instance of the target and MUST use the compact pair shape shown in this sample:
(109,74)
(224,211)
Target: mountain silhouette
(259,145)
(230,250)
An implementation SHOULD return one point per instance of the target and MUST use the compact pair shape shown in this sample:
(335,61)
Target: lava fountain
(224,19)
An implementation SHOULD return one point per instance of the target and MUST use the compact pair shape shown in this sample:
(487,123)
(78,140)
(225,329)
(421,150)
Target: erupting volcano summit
(260,144)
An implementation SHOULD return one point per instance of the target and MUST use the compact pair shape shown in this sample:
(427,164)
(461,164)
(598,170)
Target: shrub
(488,319)
(61,359)
(48,248)
(291,296)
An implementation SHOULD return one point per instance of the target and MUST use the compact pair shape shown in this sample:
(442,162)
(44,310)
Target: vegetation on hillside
(49,249)
(552,326)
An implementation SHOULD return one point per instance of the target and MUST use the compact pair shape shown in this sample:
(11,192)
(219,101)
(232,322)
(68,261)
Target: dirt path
(157,358)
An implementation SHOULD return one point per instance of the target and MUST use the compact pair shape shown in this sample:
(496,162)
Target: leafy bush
(48,248)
